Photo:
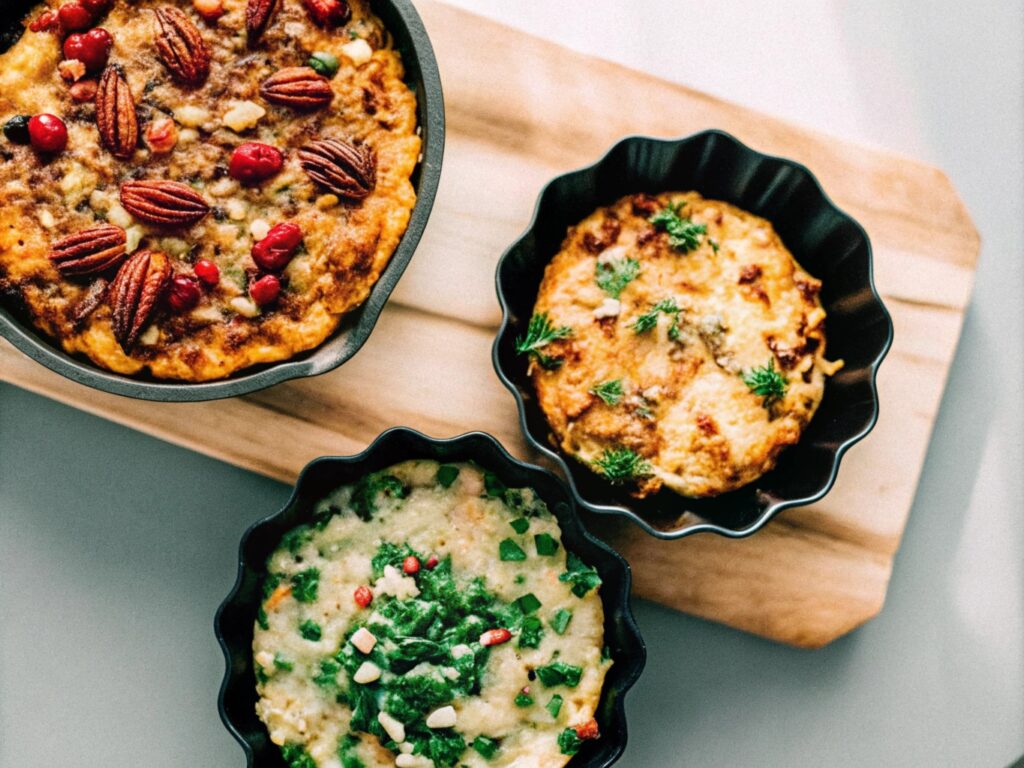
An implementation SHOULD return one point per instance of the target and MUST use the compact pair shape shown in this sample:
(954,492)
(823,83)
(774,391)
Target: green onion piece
(310,630)
(524,700)
(446,475)
(486,746)
(282,663)
(555,706)
(547,545)
(520,525)
(509,551)
(528,603)
(561,620)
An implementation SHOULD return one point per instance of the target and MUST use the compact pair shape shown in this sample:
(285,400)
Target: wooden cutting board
(520,111)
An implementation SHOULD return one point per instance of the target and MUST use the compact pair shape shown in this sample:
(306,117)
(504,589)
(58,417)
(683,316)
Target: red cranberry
(74,17)
(432,562)
(47,133)
(97,7)
(91,48)
(363,596)
(411,565)
(265,290)
(274,251)
(329,13)
(47,20)
(184,293)
(253,162)
(207,271)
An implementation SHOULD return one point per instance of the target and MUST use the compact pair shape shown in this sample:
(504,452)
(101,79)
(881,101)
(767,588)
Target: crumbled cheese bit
(392,727)
(294,29)
(236,208)
(652,393)
(174,245)
(207,313)
(326,201)
(150,336)
(609,308)
(615,253)
(450,672)
(187,136)
(444,717)
(412,761)
(359,51)
(460,650)
(118,216)
(265,659)
(132,236)
(278,737)
(223,187)
(245,307)
(191,116)
(395,584)
(364,640)
(46,219)
(368,672)
(243,115)
(259,228)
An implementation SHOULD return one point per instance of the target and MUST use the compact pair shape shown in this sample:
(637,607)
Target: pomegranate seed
(162,135)
(207,271)
(363,596)
(274,251)
(265,290)
(495,637)
(588,730)
(83,91)
(432,562)
(184,294)
(210,10)
(411,565)
(74,17)
(48,133)
(254,162)
(91,48)
(44,22)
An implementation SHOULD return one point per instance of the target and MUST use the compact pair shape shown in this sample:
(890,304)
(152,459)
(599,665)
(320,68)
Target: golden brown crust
(346,245)
(685,408)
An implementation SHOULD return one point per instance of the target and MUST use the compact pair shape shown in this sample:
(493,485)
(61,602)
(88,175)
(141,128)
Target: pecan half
(181,47)
(89,251)
(134,294)
(115,114)
(298,88)
(345,169)
(156,201)
(257,18)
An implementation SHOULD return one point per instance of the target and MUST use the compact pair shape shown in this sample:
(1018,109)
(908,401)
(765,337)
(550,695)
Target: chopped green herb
(531,633)
(444,748)
(325,64)
(485,746)
(261,674)
(493,486)
(327,677)
(446,475)
(520,525)
(509,551)
(568,742)
(524,700)
(620,465)
(715,245)
(555,705)
(393,555)
(560,673)
(540,333)
(528,603)
(294,540)
(582,576)
(305,585)
(649,320)
(561,620)
(520,578)
(282,663)
(296,757)
(261,618)
(310,630)
(683,234)
(346,752)
(366,491)
(606,653)
(610,391)
(615,274)
(411,697)
(546,544)
(272,582)
(767,382)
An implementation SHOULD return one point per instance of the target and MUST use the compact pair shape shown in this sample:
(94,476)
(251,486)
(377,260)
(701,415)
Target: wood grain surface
(811,575)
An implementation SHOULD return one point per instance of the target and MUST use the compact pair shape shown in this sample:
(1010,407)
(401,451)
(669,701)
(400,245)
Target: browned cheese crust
(685,407)
(346,243)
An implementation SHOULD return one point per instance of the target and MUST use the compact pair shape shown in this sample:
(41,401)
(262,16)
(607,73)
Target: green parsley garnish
(509,551)
(325,64)
(295,756)
(446,475)
(261,674)
(493,486)
(555,706)
(615,274)
(568,742)
(520,525)
(715,245)
(487,747)
(368,489)
(583,577)
(305,585)
(621,465)
(524,700)
(528,603)
(683,234)
(561,620)
(282,663)
(546,544)
(310,630)
(609,391)
(539,334)
(649,320)
(261,618)
(560,673)
(767,382)
(327,677)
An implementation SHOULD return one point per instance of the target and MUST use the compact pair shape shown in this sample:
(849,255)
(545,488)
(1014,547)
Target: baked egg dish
(676,343)
(429,617)
(190,189)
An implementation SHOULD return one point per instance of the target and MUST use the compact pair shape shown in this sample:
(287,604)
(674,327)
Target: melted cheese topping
(309,711)
(345,247)
(685,409)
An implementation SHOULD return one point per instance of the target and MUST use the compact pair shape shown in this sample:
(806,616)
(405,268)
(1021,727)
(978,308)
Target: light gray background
(115,548)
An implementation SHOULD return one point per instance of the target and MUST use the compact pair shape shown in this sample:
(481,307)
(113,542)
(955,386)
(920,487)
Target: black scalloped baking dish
(410,36)
(237,614)
(827,243)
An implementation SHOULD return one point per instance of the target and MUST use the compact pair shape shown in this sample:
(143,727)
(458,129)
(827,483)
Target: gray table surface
(116,548)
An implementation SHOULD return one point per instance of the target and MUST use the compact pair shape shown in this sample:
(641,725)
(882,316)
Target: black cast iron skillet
(827,243)
(237,615)
(406,27)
